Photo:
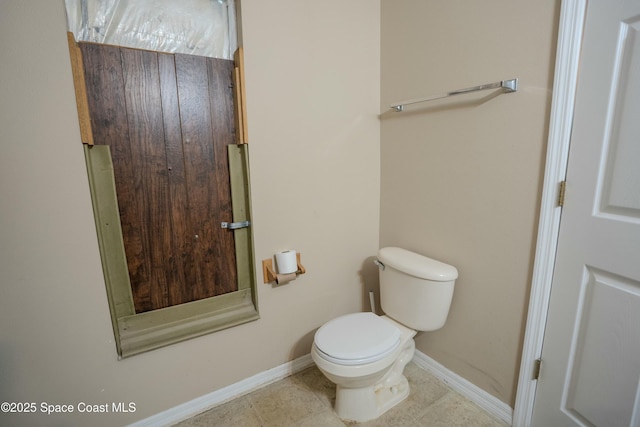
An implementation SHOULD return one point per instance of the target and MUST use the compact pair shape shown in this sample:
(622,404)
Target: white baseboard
(489,403)
(203,403)
(486,401)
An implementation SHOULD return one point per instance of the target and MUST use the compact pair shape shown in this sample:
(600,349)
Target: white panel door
(591,353)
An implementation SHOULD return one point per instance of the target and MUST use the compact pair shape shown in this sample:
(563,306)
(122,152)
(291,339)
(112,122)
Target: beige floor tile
(326,418)
(319,384)
(307,398)
(285,403)
(238,412)
(455,410)
(425,389)
(395,416)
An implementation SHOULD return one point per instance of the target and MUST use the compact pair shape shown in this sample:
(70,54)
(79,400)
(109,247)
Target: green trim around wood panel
(240,201)
(137,333)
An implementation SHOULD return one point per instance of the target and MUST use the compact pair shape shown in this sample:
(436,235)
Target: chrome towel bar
(507,86)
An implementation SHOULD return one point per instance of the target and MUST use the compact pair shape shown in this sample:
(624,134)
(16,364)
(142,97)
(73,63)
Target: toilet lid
(357,339)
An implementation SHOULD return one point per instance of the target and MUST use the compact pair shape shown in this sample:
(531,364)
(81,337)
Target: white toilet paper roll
(287,262)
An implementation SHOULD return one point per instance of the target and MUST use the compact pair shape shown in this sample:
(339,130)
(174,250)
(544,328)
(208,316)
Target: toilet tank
(415,290)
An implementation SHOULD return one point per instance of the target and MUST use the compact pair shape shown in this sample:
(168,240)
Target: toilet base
(366,403)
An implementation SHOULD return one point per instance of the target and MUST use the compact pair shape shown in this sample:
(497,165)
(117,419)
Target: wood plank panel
(149,165)
(107,106)
(221,107)
(168,120)
(198,156)
(180,262)
(202,176)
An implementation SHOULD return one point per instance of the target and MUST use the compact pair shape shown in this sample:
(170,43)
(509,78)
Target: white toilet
(365,354)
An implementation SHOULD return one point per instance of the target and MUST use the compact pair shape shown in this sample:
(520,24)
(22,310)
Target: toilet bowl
(368,377)
(365,354)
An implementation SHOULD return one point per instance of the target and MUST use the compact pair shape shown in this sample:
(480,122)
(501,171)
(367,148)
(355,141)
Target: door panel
(598,391)
(621,171)
(591,352)
(168,120)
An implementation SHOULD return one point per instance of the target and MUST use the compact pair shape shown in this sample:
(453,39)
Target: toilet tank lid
(417,265)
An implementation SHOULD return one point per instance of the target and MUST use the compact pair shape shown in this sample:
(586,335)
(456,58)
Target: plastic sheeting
(196,27)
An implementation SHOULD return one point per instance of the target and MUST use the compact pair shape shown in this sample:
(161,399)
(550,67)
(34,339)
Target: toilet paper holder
(270,275)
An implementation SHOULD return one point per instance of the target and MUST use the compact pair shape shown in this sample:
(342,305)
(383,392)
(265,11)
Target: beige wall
(461,179)
(313,99)
(460,183)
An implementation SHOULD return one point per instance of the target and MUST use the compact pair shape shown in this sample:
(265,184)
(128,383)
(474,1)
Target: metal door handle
(235,225)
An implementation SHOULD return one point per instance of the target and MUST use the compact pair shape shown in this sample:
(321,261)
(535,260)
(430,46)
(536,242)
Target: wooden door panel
(179,262)
(106,100)
(167,119)
(209,193)
(223,129)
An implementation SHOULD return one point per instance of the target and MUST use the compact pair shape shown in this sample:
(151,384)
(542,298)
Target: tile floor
(306,398)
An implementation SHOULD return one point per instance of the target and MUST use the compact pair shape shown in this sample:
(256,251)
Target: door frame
(570,29)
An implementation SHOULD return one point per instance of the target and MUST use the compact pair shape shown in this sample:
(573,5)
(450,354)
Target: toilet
(365,354)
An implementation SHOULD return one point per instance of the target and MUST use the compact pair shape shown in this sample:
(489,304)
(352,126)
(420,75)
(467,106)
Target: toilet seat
(356,339)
